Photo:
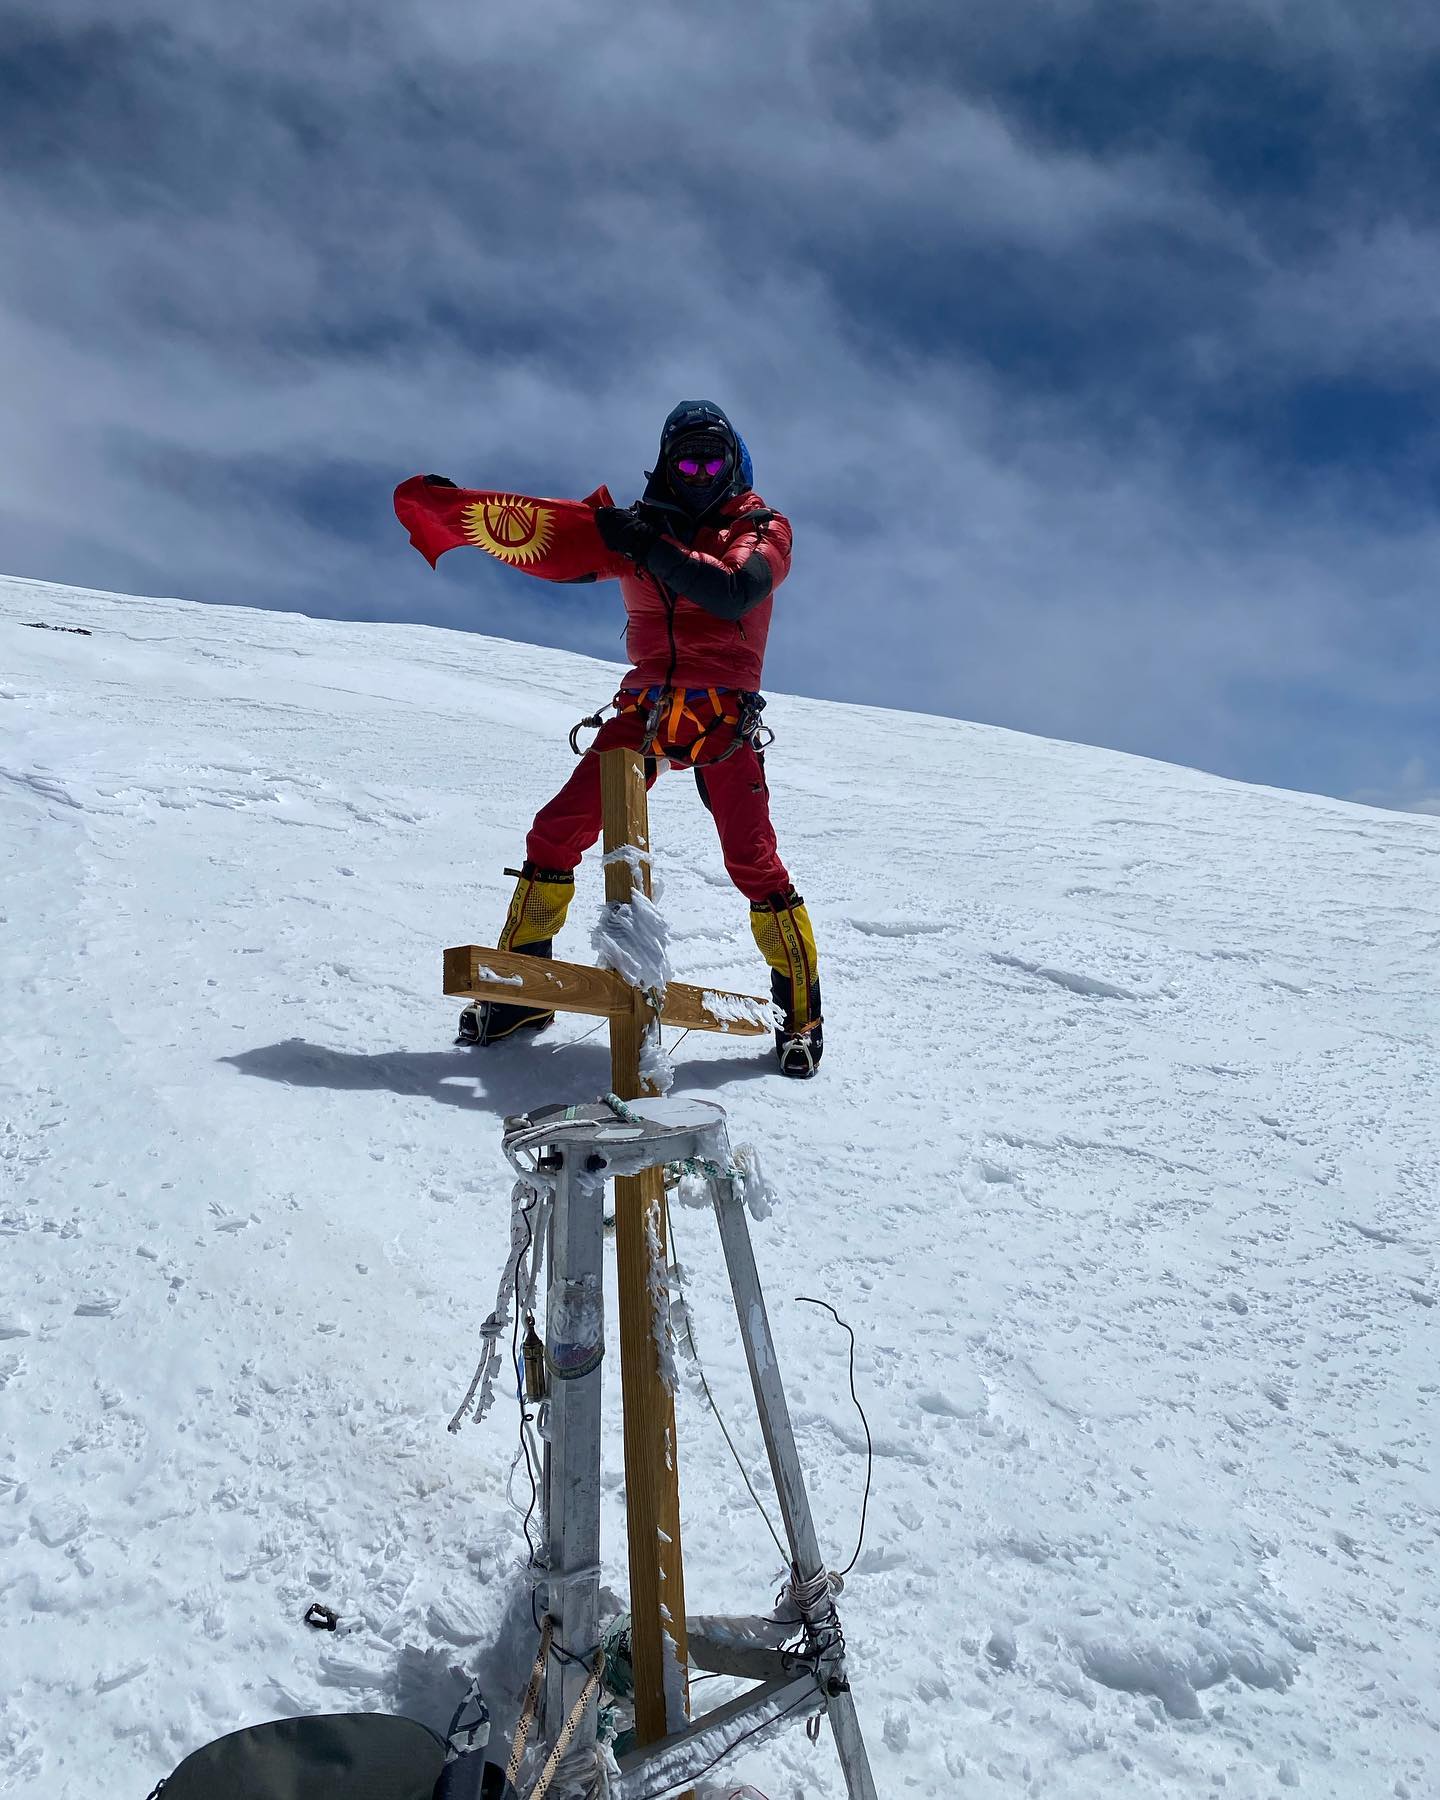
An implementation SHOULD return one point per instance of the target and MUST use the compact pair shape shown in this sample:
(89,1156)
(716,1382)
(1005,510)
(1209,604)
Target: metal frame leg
(574,1349)
(780,1447)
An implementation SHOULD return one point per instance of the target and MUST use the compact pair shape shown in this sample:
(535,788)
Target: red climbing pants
(733,788)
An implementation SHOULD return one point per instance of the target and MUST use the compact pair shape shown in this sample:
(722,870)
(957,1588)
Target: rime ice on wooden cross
(632,938)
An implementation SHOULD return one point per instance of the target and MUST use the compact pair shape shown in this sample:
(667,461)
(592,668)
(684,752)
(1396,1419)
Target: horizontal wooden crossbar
(474,972)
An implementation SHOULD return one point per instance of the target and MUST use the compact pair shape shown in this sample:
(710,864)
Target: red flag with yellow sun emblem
(554,539)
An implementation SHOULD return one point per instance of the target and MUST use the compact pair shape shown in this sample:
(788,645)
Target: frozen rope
(821,1638)
(523,1199)
(526,1721)
(807,1595)
(690,1165)
(567,1731)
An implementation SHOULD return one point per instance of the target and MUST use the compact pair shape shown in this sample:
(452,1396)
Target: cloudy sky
(1092,347)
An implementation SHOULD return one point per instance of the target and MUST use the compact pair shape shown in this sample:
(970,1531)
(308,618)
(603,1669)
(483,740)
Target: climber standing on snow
(699,557)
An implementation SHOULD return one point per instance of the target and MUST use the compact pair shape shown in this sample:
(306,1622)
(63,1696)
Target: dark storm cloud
(1092,349)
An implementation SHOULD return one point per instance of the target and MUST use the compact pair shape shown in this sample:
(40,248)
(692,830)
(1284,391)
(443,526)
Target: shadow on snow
(501,1081)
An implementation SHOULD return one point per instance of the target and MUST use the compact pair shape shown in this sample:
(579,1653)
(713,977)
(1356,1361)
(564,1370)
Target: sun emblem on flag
(514,529)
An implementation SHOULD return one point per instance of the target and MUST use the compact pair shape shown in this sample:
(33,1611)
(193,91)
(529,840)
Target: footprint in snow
(97,1306)
(1089,987)
(900,928)
(59,1522)
(1376,1233)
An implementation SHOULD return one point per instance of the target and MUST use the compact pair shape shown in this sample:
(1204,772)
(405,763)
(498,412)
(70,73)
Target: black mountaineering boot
(537,911)
(799,1046)
(486,1022)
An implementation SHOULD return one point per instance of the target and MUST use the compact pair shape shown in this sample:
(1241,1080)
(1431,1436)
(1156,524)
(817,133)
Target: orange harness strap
(665,738)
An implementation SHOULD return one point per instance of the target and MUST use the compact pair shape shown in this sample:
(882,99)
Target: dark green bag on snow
(360,1756)
(337,1756)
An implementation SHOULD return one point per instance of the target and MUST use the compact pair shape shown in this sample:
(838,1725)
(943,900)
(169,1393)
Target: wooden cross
(652,1486)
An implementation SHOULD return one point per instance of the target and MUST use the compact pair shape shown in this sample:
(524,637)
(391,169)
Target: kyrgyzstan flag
(554,539)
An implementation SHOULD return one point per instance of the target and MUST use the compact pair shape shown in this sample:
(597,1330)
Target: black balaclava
(704,424)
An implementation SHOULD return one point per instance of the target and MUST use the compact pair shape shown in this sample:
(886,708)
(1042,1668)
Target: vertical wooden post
(652,1483)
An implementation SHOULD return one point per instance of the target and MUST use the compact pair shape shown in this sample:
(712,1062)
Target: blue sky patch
(1091,350)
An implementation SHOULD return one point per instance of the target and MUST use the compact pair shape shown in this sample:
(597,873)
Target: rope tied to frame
(530,1705)
(690,1165)
(525,1196)
(530,1708)
(807,1595)
(567,1732)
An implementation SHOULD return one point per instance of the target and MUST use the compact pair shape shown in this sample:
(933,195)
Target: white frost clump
(632,938)
(740,1009)
(660,1299)
(682,1332)
(656,1067)
(692,1191)
(755,1189)
(638,862)
(484,974)
(674,1683)
(749,1178)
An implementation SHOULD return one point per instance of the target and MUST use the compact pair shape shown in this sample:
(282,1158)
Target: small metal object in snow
(321,1618)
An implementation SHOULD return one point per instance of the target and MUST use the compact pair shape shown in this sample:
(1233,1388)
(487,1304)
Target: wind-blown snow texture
(1122,1163)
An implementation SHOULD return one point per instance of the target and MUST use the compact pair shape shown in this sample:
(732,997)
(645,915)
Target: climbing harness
(667,711)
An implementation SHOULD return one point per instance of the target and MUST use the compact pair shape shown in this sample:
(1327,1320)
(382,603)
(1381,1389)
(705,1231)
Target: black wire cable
(869,1441)
(517,1365)
(718,1416)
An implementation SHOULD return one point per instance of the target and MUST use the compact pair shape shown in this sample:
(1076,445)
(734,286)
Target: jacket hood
(698,415)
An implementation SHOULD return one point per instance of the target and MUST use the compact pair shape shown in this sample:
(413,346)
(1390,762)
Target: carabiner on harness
(592,722)
(759,737)
(748,730)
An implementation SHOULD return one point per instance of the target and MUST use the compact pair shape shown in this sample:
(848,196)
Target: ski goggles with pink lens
(699,468)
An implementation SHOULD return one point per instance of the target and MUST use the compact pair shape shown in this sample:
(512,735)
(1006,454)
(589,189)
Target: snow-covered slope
(1122,1163)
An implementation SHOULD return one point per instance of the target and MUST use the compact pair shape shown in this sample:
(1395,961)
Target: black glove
(622,528)
(438,481)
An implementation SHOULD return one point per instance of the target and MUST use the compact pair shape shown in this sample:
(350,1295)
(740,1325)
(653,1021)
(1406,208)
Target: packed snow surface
(1122,1164)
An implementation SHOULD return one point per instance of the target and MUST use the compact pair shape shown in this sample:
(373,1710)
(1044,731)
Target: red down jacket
(673,642)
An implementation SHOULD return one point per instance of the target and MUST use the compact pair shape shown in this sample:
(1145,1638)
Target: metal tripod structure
(567,1154)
